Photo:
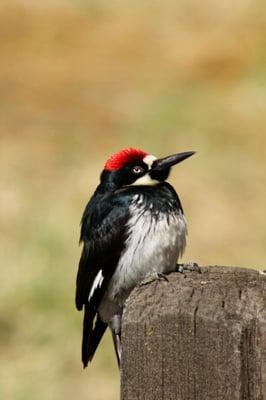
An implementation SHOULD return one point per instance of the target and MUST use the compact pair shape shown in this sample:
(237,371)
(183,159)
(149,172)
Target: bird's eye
(137,170)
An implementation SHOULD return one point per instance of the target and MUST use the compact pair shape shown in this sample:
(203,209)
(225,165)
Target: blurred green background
(80,80)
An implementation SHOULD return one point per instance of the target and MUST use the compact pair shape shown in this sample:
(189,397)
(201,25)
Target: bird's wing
(103,233)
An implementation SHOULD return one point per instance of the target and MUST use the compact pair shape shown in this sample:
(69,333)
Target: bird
(133,230)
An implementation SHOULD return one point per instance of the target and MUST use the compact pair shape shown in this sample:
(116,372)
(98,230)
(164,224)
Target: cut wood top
(226,290)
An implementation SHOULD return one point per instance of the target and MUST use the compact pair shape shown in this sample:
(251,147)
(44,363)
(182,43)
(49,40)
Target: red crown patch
(123,157)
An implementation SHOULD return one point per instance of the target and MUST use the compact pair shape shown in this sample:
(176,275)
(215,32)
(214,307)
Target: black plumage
(105,233)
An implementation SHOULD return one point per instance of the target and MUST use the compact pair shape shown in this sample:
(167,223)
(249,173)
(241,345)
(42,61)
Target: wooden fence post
(196,337)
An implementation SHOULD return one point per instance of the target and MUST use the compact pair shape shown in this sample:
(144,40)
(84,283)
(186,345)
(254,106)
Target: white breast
(153,245)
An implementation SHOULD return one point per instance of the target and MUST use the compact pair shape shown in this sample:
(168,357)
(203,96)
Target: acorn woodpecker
(133,228)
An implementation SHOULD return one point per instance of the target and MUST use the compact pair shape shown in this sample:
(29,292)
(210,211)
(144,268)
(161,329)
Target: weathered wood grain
(198,336)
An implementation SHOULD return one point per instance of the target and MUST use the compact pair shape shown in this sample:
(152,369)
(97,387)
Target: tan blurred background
(80,80)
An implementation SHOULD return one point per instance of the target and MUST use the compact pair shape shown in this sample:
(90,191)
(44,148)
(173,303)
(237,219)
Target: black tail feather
(117,346)
(91,336)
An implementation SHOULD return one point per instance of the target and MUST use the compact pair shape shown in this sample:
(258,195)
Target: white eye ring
(137,170)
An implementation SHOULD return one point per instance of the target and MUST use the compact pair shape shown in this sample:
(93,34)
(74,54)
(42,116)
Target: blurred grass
(79,81)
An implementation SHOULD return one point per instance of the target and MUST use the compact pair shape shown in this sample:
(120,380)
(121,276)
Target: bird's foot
(192,266)
(154,276)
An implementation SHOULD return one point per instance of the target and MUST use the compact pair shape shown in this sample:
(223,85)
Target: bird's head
(136,167)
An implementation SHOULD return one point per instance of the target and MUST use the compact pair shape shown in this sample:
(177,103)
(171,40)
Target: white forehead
(149,159)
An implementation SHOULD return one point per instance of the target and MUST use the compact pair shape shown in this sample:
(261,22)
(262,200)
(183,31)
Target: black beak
(168,162)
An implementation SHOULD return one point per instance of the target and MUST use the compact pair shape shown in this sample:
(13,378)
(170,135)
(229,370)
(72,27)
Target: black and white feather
(127,235)
(132,227)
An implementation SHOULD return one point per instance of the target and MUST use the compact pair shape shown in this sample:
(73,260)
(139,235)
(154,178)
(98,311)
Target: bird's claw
(192,266)
(154,276)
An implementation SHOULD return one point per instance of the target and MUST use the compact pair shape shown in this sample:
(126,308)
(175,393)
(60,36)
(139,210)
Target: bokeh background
(80,80)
